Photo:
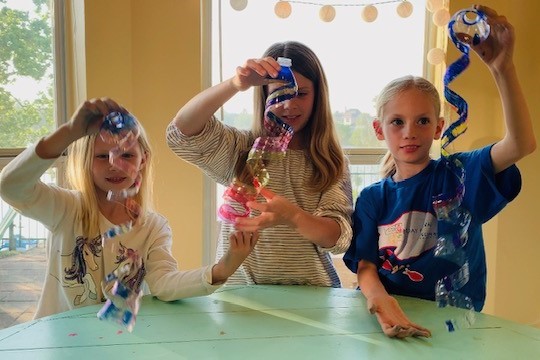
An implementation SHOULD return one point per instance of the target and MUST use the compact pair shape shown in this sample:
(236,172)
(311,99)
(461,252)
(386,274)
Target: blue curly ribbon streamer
(451,216)
(459,126)
(123,300)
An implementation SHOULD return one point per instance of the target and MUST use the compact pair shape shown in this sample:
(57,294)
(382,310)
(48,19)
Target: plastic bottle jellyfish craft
(123,131)
(273,145)
(467,27)
(123,299)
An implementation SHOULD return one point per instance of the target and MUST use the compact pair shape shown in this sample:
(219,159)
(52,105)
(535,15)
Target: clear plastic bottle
(469,26)
(268,147)
(464,322)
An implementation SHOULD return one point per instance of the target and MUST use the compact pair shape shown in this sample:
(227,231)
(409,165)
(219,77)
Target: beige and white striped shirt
(281,256)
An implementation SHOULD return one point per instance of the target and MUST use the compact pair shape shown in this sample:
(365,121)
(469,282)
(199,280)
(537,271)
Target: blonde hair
(323,148)
(79,177)
(389,92)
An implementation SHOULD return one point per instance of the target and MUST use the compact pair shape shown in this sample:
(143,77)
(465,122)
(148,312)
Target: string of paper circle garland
(441,16)
(283,8)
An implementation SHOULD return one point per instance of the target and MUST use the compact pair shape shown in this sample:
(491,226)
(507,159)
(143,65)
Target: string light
(436,56)
(327,13)
(369,13)
(239,5)
(434,5)
(441,17)
(283,9)
(404,9)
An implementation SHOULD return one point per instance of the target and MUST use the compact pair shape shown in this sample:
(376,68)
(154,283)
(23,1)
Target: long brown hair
(322,148)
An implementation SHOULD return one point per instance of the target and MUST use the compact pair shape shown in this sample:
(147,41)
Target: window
(359,58)
(29,100)
(26,74)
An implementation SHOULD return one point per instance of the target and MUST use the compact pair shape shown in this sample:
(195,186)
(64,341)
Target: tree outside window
(26,72)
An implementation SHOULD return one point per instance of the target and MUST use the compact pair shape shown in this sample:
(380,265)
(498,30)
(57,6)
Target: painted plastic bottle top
(283,61)
(285,75)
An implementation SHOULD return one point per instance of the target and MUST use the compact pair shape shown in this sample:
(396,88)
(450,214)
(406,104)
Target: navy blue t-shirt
(395,226)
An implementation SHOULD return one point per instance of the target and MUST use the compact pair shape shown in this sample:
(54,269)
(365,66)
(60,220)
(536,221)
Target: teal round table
(266,322)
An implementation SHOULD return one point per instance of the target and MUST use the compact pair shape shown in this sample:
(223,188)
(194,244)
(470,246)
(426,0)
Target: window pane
(18,233)
(26,114)
(359,58)
(26,72)
(362,176)
(23,262)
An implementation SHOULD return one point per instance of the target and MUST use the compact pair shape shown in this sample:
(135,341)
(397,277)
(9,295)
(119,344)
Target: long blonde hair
(389,92)
(323,148)
(79,177)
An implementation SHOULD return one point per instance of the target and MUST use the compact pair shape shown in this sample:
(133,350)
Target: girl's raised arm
(497,52)
(192,117)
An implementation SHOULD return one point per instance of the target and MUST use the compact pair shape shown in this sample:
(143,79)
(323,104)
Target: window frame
(60,83)
(434,36)
(61,11)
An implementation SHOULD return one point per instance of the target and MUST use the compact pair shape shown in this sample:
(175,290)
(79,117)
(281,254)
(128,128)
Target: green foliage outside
(25,51)
(5,254)
(354,128)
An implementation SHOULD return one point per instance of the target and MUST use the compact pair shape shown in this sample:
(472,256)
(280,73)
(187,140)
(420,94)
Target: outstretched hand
(277,210)
(392,319)
(241,244)
(497,50)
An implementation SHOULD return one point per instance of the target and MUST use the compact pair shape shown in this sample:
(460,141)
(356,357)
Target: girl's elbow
(527,148)
(9,191)
(165,298)
(524,148)
(532,146)
(163,295)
